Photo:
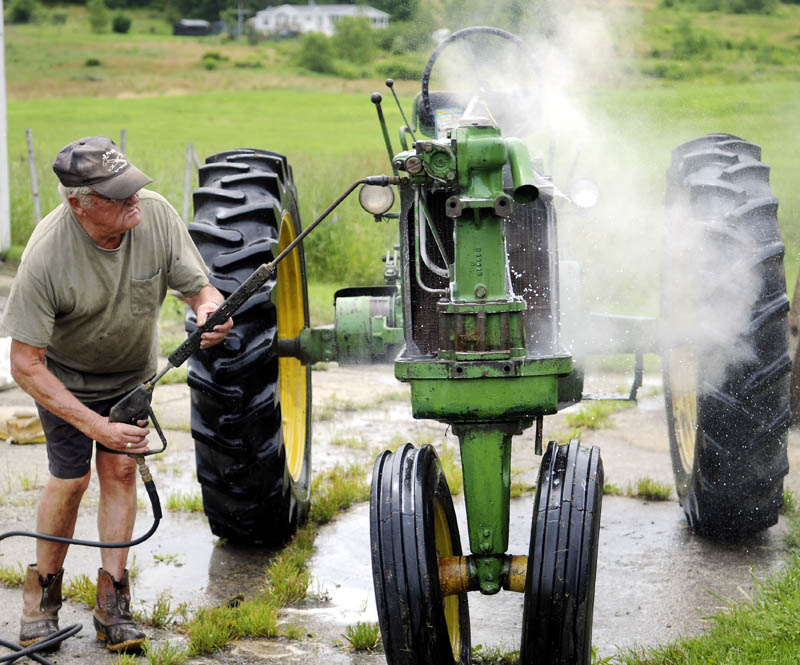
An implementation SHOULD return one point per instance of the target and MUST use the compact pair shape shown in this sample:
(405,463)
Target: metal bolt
(428,146)
(480,291)
(451,175)
(413,165)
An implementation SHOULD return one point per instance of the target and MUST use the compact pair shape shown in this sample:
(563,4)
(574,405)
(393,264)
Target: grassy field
(155,86)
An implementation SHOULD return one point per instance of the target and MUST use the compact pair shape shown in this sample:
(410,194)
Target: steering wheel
(506,107)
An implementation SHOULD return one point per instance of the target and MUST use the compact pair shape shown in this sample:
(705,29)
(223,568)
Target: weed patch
(652,490)
(594,415)
(493,656)
(163,614)
(518,489)
(166,558)
(82,589)
(13,575)
(363,636)
(185,502)
(166,654)
(336,490)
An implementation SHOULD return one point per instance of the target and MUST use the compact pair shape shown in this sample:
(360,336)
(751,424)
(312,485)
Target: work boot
(41,602)
(113,620)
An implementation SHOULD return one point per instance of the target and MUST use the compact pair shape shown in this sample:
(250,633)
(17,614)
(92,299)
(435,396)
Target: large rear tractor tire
(250,410)
(726,362)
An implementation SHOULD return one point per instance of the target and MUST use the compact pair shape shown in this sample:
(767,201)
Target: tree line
(212,10)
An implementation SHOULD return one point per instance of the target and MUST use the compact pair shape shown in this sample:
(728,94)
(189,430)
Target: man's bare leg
(56,516)
(117,512)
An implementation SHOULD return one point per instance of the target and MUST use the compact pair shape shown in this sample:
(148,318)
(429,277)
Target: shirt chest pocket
(146,294)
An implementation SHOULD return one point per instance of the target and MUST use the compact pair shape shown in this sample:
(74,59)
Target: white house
(299,19)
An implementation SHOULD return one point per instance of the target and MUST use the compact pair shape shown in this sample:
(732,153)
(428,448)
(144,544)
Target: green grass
(519,488)
(612,489)
(82,589)
(363,636)
(166,654)
(162,613)
(653,490)
(482,655)
(13,575)
(328,129)
(183,502)
(592,415)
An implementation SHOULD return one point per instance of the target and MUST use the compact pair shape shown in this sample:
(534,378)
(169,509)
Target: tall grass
(155,87)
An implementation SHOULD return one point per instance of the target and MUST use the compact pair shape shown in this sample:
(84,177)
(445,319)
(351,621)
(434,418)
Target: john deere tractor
(473,316)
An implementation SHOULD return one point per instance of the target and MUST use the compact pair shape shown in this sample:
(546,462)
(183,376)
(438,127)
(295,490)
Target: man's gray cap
(97,162)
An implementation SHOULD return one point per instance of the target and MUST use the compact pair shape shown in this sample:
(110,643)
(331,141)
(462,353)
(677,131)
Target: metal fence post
(37,215)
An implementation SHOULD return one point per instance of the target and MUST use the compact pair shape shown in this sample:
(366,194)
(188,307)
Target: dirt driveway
(655,580)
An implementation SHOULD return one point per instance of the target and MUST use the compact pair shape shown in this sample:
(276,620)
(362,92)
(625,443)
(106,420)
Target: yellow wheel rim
(293,377)
(682,373)
(444,547)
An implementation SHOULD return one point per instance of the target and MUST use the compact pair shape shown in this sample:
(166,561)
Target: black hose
(45,644)
(150,486)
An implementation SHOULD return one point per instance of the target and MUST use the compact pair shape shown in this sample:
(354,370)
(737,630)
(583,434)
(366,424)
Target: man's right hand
(117,436)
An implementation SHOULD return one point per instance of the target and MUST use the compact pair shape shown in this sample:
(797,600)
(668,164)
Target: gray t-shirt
(96,310)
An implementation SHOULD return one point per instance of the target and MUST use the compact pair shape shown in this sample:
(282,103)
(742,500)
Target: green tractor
(478,314)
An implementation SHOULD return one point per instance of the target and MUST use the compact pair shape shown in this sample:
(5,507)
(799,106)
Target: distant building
(300,19)
(191,26)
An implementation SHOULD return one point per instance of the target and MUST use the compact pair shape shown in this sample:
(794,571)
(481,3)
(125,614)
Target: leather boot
(42,600)
(113,620)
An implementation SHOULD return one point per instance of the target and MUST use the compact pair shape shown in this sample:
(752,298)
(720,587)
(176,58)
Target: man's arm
(31,374)
(204,302)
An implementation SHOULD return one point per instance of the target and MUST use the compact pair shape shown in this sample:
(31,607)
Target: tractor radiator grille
(531,244)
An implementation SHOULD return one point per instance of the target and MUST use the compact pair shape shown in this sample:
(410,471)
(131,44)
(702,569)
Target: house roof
(338,10)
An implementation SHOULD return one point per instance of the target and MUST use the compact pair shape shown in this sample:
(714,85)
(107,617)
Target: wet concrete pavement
(656,581)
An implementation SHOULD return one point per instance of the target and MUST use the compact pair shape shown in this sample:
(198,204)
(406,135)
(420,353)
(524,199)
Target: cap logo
(114,161)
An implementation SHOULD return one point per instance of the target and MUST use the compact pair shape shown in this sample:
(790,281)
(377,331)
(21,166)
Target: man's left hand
(211,338)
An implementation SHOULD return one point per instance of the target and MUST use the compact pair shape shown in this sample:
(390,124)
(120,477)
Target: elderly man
(82,314)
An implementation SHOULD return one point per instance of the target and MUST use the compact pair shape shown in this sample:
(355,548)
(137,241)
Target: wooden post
(37,215)
(123,139)
(187,181)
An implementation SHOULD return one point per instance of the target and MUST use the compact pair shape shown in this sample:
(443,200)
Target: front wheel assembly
(413,527)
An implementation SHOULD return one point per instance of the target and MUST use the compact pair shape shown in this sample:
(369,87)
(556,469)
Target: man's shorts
(69,451)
